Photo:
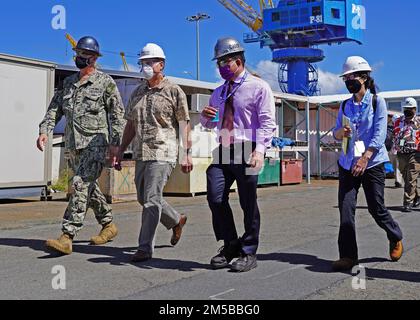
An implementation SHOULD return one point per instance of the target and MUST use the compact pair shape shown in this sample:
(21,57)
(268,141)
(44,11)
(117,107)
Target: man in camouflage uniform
(93,108)
(157,113)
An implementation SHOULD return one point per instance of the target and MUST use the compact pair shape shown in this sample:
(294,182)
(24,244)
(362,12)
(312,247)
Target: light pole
(197,18)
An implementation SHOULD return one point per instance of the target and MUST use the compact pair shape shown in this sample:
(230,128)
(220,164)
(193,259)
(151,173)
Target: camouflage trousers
(86,166)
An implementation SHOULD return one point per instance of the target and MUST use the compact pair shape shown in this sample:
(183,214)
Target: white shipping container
(26,87)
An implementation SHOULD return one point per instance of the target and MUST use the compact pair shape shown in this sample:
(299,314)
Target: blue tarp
(279,142)
(389,168)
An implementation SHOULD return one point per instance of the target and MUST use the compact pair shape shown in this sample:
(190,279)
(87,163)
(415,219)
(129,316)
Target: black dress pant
(220,177)
(373,183)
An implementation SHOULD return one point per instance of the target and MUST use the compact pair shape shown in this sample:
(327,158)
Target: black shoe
(407,208)
(245,263)
(226,255)
(416,203)
(141,256)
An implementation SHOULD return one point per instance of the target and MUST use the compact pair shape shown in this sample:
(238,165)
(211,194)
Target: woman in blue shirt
(362,121)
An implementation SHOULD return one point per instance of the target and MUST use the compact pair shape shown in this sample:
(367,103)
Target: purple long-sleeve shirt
(254,111)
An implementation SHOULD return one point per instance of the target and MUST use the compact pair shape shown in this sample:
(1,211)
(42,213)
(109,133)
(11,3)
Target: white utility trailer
(26,88)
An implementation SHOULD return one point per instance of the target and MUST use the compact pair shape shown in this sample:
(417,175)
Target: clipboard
(345,143)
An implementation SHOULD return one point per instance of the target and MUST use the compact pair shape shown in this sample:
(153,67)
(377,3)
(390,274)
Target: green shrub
(63,181)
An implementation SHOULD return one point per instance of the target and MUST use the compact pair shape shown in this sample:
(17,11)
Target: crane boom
(71,40)
(245,13)
(264,5)
(122,54)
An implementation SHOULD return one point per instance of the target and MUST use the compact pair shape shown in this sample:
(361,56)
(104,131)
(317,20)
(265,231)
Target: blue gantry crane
(294,29)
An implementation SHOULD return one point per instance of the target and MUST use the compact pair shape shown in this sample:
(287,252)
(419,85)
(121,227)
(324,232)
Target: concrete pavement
(298,243)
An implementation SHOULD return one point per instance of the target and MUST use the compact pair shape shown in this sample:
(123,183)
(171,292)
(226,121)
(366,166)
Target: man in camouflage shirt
(156,114)
(93,108)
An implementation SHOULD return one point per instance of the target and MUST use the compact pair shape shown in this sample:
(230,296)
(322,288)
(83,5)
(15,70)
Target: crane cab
(312,22)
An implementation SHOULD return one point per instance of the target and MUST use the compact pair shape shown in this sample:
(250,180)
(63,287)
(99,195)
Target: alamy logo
(358,281)
(359,19)
(58,22)
(58,282)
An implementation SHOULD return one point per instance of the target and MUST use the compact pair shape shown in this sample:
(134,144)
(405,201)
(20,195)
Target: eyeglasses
(84,54)
(149,62)
(350,77)
(223,63)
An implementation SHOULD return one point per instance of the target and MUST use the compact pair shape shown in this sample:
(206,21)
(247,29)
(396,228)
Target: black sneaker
(416,203)
(407,208)
(226,255)
(245,263)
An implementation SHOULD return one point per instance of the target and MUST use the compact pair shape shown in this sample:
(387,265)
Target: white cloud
(330,83)
(378,66)
(268,70)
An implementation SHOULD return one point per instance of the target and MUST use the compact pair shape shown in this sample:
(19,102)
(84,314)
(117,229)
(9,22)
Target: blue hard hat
(88,44)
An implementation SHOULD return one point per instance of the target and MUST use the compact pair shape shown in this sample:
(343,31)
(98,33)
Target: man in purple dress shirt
(242,111)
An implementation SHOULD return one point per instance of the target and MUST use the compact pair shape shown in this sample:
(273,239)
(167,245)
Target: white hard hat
(151,51)
(409,103)
(355,64)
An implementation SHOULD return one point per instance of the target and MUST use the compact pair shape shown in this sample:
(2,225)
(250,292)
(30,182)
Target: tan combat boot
(62,245)
(107,233)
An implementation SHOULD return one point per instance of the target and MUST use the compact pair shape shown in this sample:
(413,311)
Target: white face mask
(147,72)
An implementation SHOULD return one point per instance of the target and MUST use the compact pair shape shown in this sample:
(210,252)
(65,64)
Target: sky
(391,42)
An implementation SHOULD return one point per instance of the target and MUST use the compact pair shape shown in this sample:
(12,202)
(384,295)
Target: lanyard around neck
(225,96)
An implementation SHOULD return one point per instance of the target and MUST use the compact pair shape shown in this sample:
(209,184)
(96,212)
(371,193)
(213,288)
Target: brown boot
(141,256)
(177,230)
(344,264)
(62,245)
(107,233)
(396,250)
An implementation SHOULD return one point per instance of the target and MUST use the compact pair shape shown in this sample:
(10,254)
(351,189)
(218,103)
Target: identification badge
(359,149)
(402,142)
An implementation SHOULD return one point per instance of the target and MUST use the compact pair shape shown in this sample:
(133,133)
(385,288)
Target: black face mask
(408,113)
(82,63)
(354,86)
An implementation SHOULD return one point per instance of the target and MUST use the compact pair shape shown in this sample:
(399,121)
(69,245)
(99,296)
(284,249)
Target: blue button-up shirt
(372,130)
